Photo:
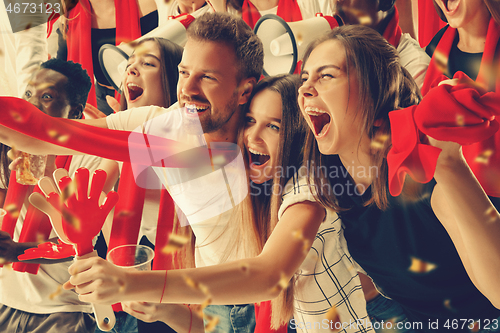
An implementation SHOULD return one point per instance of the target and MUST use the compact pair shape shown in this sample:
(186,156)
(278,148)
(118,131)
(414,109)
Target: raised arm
(470,218)
(242,281)
(34,146)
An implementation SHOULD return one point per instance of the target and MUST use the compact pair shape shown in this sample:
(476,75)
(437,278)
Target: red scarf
(288,10)
(465,116)
(486,173)
(429,22)
(36,224)
(79,33)
(393,32)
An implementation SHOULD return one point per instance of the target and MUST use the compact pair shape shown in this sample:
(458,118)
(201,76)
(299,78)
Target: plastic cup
(3,212)
(30,169)
(133,257)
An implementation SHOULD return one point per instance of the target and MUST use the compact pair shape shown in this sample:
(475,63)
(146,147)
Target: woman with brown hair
(420,249)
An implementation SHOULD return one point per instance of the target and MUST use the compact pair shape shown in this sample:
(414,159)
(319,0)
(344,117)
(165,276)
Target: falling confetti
(121,285)
(175,242)
(12,210)
(124,213)
(363,17)
(71,219)
(441,61)
(58,136)
(297,234)
(447,305)
(206,303)
(212,323)
(16,116)
(460,120)
(282,283)
(379,141)
(56,293)
(333,317)
(420,266)
(492,214)
(484,157)
(196,286)
(40,237)
(68,191)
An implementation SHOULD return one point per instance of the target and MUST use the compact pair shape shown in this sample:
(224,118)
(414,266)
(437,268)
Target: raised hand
(82,212)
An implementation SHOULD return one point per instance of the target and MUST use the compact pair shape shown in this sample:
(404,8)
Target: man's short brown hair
(232,30)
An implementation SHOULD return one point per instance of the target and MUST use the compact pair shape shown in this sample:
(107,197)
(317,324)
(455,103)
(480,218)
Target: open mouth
(257,158)
(320,120)
(134,91)
(195,109)
(451,5)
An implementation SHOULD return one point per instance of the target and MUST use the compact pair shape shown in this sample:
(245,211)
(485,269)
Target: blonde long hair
(266,203)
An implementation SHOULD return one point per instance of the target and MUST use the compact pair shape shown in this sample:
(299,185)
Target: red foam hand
(83,215)
(463,113)
(48,250)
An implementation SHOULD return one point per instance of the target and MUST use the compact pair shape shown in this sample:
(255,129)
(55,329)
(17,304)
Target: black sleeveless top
(468,63)
(384,243)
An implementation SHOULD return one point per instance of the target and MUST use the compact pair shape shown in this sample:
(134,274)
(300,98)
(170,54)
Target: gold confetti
(379,141)
(16,116)
(40,237)
(212,323)
(484,157)
(12,210)
(460,120)
(124,213)
(441,61)
(68,191)
(71,219)
(196,286)
(120,283)
(332,314)
(492,214)
(473,84)
(2,260)
(447,304)
(297,234)
(58,136)
(175,242)
(299,38)
(362,16)
(333,317)
(420,266)
(206,303)
(56,293)
(282,283)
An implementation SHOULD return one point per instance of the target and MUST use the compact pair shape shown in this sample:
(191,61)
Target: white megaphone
(113,59)
(285,43)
